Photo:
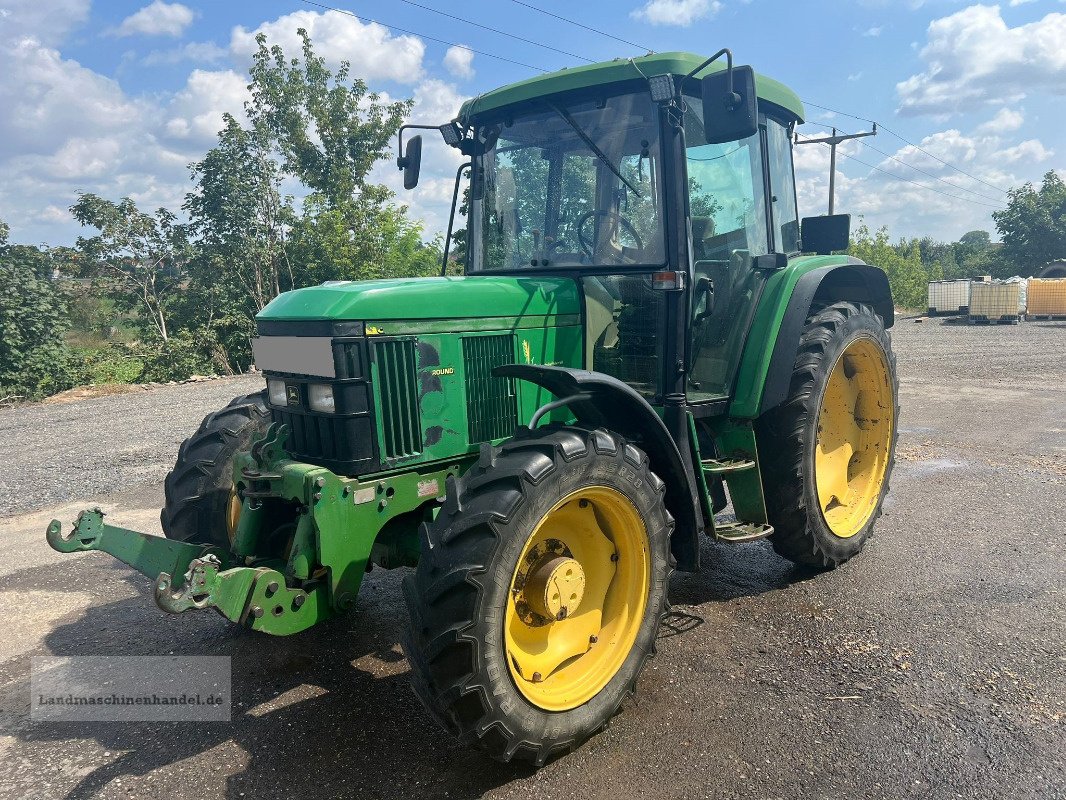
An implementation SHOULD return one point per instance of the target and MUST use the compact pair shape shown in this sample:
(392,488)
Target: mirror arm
(401,162)
(734,98)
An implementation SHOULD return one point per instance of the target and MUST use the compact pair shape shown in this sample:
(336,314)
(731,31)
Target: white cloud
(1005,120)
(374,53)
(157,19)
(944,208)
(1031,151)
(458,60)
(874,31)
(198,52)
(196,111)
(974,58)
(676,12)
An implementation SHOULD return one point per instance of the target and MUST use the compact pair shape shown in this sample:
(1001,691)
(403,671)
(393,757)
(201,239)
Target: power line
(912,144)
(497,30)
(367,20)
(815,105)
(911,166)
(582,25)
(915,182)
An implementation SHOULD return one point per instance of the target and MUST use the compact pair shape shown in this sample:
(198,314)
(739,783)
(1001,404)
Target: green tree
(34,359)
(902,263)
(138,258)
(1033,225)
(239,220)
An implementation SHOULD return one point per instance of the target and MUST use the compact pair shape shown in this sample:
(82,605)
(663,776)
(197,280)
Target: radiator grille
(491,406)
(401,426)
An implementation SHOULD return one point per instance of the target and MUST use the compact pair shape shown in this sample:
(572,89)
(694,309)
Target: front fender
(773,340)
(617,406)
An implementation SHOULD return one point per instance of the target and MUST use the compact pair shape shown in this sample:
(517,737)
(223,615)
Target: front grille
(491,406)
(401,425)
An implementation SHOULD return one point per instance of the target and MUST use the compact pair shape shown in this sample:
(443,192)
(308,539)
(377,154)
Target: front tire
(201,504)
(827,451)
(539,592)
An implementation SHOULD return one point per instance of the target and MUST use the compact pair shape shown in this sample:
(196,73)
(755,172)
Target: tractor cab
(668,202)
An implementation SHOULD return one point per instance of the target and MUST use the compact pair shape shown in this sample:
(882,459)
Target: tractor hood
(473,297)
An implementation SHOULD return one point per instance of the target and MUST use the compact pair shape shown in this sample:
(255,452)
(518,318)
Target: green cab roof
(621,69)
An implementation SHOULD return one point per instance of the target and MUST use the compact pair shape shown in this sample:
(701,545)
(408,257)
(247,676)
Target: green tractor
(642,325)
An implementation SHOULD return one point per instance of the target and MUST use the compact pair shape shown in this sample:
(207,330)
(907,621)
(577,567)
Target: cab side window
(783,187)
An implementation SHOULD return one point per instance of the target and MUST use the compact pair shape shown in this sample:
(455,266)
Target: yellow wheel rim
(855,427)
(233,513)
(578,596)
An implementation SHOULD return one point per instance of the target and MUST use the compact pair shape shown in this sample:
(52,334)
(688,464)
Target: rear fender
(773,341)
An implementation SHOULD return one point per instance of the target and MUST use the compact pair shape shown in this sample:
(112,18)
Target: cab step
(724,466)
(736,532)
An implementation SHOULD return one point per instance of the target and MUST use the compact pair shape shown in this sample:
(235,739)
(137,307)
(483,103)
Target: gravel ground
(60,452)
(931,666)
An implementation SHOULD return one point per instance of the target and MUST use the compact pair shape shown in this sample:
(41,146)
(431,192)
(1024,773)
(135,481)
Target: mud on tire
(458,595)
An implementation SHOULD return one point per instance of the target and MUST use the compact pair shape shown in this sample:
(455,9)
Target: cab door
(732,222)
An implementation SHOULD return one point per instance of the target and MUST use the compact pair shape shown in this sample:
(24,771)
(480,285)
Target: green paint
(619,69)
(759,347)
(150,555)
(735,439)
(472,297)
(485,325)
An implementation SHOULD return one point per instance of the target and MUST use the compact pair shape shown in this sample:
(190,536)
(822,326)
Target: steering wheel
(586,248)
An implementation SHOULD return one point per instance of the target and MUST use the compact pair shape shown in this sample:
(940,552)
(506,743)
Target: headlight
(276,392)
(320,397)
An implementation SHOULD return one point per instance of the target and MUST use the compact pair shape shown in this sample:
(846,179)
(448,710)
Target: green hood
(427,298)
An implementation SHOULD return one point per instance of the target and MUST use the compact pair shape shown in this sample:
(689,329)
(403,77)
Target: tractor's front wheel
(539,592)
(201,502)
(827,451)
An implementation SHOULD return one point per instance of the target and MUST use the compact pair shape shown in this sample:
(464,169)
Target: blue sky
(119,97)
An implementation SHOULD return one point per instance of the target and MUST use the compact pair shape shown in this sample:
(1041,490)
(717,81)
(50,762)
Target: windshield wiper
(592,146)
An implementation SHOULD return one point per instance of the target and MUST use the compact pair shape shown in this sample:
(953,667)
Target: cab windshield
(571,184)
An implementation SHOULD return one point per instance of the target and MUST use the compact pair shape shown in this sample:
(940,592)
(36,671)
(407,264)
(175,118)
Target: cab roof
(621,69)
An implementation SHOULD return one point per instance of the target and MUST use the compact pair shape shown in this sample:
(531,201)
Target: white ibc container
(993,301)
(949,297)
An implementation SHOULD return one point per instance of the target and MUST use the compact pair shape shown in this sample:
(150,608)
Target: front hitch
(195,576)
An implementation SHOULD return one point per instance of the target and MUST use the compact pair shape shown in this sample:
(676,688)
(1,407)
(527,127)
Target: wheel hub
(555,587)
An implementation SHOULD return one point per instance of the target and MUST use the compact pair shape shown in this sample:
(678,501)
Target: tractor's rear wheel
(539,592)
(827,451)
(201,503)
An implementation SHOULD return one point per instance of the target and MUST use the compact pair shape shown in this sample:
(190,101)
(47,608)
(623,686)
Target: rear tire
(466,598)
(822,530)
(199,490)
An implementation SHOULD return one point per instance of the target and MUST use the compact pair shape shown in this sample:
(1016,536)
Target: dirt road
(931,666)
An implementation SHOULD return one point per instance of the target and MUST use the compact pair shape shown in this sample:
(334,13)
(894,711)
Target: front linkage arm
(195,576)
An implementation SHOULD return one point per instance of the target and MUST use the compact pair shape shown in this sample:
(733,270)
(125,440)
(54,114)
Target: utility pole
(833,141)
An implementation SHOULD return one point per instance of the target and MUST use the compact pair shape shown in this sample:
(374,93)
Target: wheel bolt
(272,587)
(614,556)
(593,639)
(583,503)
(257,612)
(537,677)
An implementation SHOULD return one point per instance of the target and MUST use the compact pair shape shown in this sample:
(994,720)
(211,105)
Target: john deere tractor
(644,337)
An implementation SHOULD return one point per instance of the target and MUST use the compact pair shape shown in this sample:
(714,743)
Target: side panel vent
(491,405)
(401,425)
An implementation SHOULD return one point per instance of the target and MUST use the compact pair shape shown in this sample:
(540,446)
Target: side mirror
(411,162)
(823,235)
(730,105)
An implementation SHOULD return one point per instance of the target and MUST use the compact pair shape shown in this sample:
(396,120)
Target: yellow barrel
(995,300)
(1046,296)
